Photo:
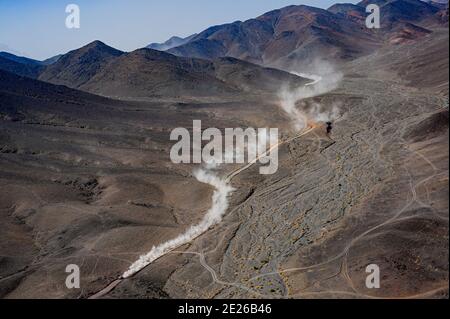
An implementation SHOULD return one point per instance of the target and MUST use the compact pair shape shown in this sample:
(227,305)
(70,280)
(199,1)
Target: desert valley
(86,175)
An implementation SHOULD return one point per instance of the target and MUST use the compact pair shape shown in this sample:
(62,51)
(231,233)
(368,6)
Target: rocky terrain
(375,193)
(86,178)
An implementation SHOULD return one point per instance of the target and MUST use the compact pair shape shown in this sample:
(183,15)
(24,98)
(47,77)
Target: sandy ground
(100,190)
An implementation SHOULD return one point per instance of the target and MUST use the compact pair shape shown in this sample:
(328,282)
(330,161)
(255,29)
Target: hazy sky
(36,28)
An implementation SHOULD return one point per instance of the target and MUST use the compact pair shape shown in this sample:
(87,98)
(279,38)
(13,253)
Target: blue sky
(36,28)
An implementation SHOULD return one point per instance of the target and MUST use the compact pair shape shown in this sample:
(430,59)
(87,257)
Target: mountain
(171,43)
(143,73)
(28,61)
(20,67)
(250,77)
(147,72)
(19,59)
(291,33)
(24,66)
(283,36)
(78,66)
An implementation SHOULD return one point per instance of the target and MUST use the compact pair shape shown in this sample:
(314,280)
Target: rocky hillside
(144,73)
(293,33)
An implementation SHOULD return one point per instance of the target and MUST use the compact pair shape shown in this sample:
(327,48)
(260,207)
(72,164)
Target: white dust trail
(327,79)
(320,84)
(219,203)
(212,217)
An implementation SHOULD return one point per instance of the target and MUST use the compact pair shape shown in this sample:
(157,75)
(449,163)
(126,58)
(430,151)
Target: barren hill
(78,66)
(145,73)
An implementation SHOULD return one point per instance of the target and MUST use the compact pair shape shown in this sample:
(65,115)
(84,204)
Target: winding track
(342,255)
(229,178)
(339,256)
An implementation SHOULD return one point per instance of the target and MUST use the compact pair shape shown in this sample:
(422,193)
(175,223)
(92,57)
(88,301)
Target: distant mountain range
(225,59)
(103,70)
(171,43)
(283,36)
(24,66)
(29,61)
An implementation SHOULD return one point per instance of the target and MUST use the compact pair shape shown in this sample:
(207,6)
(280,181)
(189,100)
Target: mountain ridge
(280,36)
(100,69)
